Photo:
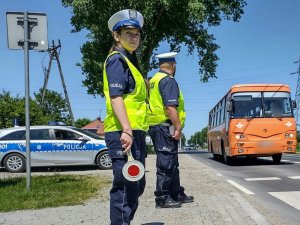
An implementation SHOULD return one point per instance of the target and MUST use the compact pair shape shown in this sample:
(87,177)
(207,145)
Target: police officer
(126,120)
(166,120)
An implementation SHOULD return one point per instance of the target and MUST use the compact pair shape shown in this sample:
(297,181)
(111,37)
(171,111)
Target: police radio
(133,170)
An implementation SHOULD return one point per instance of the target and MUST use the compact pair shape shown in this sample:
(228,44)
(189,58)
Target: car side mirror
(229,106)
(294,104)
(83,139)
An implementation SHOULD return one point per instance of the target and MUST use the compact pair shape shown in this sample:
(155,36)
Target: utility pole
(54,55)
(297,95)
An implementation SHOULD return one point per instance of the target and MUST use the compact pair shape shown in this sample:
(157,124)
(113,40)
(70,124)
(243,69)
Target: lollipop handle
(129,155)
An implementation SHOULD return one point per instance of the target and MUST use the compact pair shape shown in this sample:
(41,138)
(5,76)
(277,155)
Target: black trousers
(167,171)
(124,194)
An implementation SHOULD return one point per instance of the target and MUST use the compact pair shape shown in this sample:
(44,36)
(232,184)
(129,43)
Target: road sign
(37,28)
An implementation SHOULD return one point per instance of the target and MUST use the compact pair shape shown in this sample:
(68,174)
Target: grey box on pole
(38,34)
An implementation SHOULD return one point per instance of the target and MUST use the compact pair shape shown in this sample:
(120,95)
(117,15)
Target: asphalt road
(276,187)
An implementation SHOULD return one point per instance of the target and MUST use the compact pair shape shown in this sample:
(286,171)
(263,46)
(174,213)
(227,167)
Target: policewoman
(126,120)
(166,120)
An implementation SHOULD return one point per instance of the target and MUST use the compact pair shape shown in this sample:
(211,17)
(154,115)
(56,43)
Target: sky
(261,48)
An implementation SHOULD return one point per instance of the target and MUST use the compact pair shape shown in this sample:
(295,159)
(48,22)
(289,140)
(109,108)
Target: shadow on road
(244,161)
(190,152)
(154,223)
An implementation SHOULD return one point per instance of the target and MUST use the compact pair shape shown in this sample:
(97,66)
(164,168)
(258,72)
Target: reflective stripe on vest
(135,102)
(157,112)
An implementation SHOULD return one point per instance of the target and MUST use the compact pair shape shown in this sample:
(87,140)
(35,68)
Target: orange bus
(253,120)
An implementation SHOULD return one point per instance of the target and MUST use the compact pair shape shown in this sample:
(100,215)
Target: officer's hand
(177,134)
(126,141)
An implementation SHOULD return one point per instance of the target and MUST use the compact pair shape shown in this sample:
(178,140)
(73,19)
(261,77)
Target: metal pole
(27,105)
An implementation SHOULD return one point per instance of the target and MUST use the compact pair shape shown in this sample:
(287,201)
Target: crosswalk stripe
(295,177)
(262,178)
(240,187)
(292,198)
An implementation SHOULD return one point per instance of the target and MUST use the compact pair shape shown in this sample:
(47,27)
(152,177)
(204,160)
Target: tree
(178,22)
(9,109)
(82,122)
(55,107)
(14,107)
(199,138)
(183,139)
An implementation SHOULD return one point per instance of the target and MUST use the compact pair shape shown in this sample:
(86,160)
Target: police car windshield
(87,133)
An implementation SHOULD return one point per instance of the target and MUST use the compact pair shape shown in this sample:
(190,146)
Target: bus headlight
(287,135)
(239,136)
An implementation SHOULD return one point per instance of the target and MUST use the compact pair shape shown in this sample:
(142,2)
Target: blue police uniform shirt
(169,90)
(120,79)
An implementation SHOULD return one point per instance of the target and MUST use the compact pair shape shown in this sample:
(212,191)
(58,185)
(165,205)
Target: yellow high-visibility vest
(135,102)
(157,112)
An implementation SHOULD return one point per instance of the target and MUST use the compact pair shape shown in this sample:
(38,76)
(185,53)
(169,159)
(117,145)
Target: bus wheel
(227,159)
(104,161)
(14,163)
(215,156)
(277,158)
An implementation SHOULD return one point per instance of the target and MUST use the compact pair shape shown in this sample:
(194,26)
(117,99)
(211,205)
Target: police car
(52,146)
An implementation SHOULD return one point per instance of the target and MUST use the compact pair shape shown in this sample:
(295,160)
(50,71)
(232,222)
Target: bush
(150,149)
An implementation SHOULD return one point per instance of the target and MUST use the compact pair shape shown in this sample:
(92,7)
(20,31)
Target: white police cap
(124,18)
(166,57)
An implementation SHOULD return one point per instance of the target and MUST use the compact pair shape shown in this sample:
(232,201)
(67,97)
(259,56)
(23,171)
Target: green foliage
(183,139)
(9,109)
(82,122)
(178,22)
(48,191)
(199,138)
(150,149)
(54,109)
(54,106)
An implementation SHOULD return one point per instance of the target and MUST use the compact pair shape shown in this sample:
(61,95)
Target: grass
(49,191)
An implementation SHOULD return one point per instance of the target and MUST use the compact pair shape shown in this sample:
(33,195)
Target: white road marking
(262,178)
(240,187)
(292,198)
(296,162)
(220,175)
(285,160)
(254,214)
(295,177)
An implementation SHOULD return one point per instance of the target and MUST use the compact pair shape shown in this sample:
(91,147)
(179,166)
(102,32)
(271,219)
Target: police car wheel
(104,161)
(14,163)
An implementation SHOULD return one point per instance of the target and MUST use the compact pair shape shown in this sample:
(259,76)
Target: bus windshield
(261,104)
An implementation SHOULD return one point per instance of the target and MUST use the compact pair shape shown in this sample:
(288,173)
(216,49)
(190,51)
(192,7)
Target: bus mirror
(229,106)
(294,104)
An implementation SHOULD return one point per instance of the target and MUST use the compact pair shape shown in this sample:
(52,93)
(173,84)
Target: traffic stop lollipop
(133,170)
